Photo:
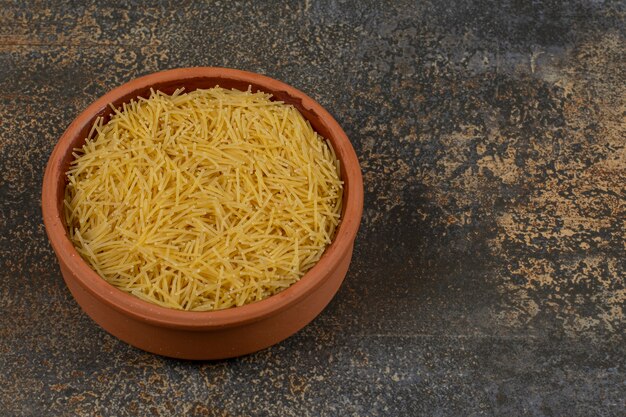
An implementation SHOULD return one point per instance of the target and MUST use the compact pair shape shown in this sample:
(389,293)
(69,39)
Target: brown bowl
(215,334)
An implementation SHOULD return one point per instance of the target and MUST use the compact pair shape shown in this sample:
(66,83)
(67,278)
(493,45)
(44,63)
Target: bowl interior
(191,79)
(191,84)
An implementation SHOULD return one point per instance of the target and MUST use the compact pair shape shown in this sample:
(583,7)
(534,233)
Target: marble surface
(488,275)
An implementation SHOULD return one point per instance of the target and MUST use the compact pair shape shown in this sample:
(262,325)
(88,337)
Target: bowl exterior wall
(219,343)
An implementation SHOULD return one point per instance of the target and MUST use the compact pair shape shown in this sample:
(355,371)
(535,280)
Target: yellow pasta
(203,200)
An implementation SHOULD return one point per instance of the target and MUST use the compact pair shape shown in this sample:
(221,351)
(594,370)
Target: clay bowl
(203,335)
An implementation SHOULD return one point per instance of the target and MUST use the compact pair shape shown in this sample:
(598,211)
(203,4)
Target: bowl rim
(193,320)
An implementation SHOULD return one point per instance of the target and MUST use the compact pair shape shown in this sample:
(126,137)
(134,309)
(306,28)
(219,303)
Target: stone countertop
(488,275)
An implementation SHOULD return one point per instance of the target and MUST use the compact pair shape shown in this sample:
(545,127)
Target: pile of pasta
(203,200)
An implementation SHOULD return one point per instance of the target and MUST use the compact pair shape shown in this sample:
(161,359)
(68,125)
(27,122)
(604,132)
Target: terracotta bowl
(216,334)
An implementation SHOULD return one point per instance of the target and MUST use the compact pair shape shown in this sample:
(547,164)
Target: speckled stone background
(488,275)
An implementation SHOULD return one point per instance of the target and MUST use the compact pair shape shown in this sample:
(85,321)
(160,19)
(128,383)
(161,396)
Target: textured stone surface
(488,276)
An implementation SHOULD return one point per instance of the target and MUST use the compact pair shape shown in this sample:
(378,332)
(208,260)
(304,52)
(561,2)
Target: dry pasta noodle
(203,200)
